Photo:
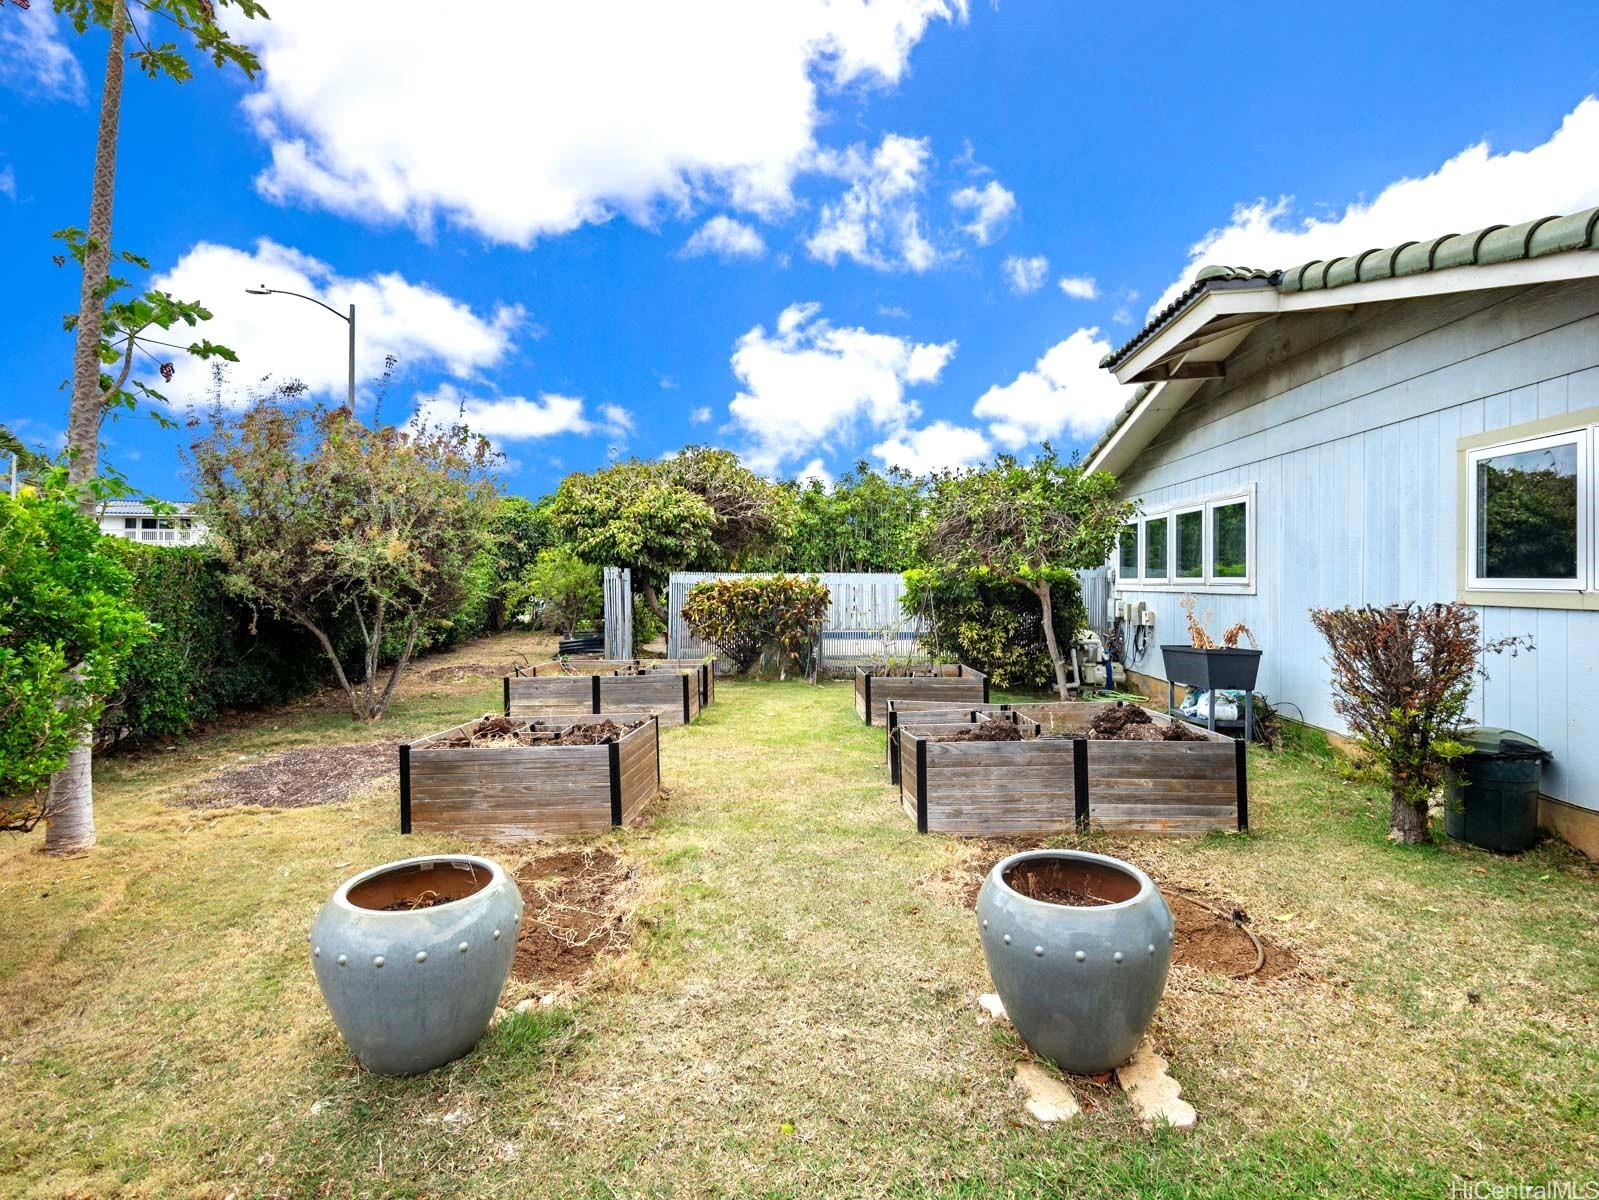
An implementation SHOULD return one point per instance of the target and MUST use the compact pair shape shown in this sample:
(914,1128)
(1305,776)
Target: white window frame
(1204,544)
(1584,580)
(1143,544)
(1209,581)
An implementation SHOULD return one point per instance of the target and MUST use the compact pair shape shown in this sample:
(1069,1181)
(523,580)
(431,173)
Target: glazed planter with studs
(1078,945)
(411,957)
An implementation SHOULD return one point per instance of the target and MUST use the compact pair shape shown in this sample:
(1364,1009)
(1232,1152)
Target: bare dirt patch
(299,778)
(1212,935)
(579,905)
(456,672)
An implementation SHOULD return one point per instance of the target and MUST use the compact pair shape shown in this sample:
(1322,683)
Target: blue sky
(810,232)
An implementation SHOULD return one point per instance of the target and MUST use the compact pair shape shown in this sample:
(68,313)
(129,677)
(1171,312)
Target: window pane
(1527,514)
(1190,544)
(1229,539)
(1129,550)
(1155,548)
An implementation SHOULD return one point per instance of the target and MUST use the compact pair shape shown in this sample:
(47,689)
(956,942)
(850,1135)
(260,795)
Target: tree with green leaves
(698,510)
(519,529)
(66,628)
(109,333)
(864,521)
(1031,524)
(319,519)
(559,590)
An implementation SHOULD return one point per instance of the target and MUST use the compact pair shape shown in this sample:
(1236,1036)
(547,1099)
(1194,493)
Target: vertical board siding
(1351,444)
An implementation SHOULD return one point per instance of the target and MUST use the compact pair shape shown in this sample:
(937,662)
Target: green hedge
(209,653)
(997,628)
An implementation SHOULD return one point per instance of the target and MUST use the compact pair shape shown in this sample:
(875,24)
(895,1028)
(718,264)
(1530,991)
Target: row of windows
(1207,543)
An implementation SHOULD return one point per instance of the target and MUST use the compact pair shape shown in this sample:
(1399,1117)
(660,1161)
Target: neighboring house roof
(1487,247)
(132,508)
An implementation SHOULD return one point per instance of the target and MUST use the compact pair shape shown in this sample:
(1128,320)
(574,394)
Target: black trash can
(1493,792)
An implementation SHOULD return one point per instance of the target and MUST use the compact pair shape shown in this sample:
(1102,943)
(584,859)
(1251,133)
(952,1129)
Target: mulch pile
(578,905)
(1130,723)
(990,730)
(296,778)
(499,733)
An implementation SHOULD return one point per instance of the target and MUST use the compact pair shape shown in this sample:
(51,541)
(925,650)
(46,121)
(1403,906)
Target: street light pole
(263,290)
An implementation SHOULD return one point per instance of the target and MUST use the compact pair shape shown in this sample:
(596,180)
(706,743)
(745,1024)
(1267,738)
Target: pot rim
(341,898)
(1146,885)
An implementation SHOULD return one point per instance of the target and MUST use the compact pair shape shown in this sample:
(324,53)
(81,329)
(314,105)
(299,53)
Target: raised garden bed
(599,686)
(1044,784)
(947,683)
(524,779)
(942,717)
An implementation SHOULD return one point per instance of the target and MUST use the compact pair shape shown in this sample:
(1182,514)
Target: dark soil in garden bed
(296,778)
(578,906)
(984,731)
(1208,937)
(1130,723)
(500,733)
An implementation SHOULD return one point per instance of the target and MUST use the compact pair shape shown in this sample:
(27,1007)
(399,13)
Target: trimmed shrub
(743,618)
(996,627)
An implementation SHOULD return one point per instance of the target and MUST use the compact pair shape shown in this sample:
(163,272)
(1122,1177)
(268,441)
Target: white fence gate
(864,621)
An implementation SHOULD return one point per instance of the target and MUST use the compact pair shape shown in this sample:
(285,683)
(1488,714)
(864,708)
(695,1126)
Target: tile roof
(1493,244)
(133,508)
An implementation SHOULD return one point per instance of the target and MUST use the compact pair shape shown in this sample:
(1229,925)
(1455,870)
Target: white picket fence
(864,619)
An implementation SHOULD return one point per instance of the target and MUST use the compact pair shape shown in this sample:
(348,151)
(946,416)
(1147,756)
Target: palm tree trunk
(70,814)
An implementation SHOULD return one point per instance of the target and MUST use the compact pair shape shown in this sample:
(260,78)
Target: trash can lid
(1494,741)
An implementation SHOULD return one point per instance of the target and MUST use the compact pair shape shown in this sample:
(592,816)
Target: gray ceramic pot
(1080,981)
(413,988)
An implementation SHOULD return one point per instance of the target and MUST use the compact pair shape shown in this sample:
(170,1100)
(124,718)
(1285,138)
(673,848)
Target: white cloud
(1065,392)
(986,209)
(1026,275)
(618,421)
(504,418)
(936,447)
(895,311)
(539,118)
(33,57)
(8,182)
(1079,287)
(726,238)
(1474,188)
(816,470)
(877,222)
(808,384)
(700,414)
(289,338)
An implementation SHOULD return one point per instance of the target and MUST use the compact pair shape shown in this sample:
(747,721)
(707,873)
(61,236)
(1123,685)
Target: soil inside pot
(420,885)
(1071,882)
(498,733)
(991,730)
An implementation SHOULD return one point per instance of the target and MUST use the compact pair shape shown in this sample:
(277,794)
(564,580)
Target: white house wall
(1351,443)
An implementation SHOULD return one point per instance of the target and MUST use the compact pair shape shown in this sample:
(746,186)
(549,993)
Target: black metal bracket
(507,682)
(1080,781)
(595,694)
(405,788)
(686,715)
(614,750)
(868,697)
(1241,769)
(921,785)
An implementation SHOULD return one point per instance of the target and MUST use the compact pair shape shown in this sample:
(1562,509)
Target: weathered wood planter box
(941,718)
(1045,784)
(507,793)
(947,683)
(675,694)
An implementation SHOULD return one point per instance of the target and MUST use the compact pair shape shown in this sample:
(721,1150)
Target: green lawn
(796,1014)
